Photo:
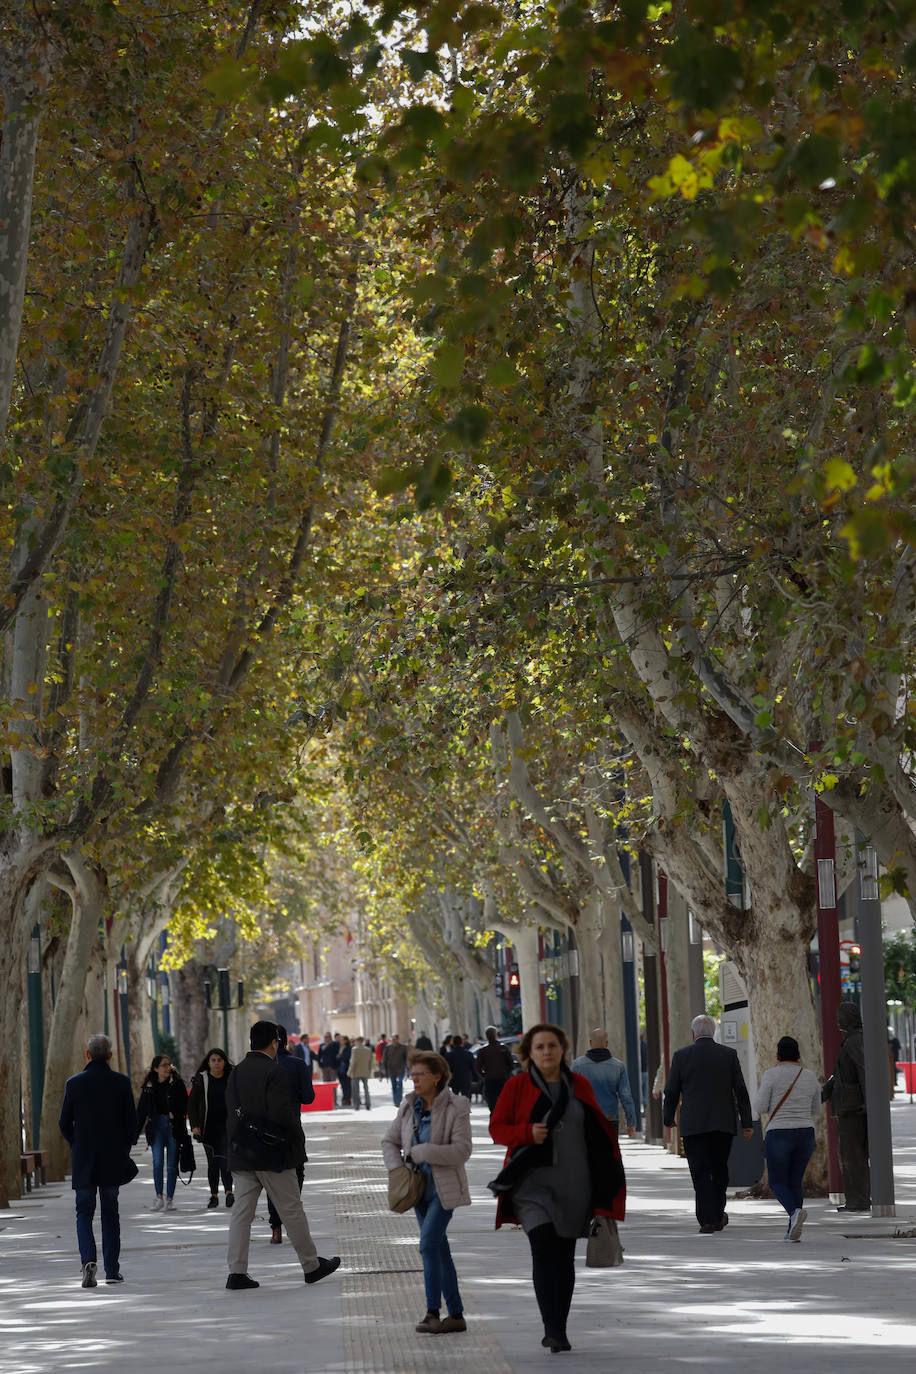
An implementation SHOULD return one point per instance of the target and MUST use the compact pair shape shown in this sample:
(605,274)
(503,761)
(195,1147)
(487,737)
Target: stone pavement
(840,1300)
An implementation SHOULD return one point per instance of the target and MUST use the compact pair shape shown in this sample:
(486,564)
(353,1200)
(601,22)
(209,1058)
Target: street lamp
(225,1003)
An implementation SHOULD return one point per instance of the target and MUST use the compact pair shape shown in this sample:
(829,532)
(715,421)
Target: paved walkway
(742,1299)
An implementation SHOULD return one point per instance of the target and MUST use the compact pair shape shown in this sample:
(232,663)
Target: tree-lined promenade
(449,451)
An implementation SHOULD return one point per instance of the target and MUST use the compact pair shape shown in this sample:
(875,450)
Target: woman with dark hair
(562,1168)
(791,1096)
(207,1114)
(163,1109)
(343,1071)
(433,1129)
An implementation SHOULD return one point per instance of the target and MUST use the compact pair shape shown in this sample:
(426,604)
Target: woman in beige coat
(433,1129)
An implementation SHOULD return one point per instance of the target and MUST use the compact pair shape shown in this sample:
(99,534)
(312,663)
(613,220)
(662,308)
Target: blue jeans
(438,1269)
(111,1227)
(397,1088)
(162,1143)
(787,1155)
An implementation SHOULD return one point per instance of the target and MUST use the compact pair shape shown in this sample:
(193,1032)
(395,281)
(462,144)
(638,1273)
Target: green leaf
(229,81)
(448,364)
(419,64)
(391,480)
(469,426)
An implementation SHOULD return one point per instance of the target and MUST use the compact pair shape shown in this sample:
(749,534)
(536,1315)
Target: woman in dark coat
(562,1168)
(163,1110)
(207,1114)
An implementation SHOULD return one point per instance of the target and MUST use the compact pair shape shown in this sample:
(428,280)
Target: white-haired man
(706,1079)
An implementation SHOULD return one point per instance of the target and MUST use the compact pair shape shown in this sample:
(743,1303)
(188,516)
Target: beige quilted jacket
(449,1145)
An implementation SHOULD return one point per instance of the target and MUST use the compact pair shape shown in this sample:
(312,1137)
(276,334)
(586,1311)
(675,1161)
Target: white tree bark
(25,70)
(86,888)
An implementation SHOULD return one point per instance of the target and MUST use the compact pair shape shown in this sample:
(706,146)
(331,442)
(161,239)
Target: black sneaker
(214,1202)
(241,1281)
(89,1269)
(325,1267)
(114,1278)
(230,1199)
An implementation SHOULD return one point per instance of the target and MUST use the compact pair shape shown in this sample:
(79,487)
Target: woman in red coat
(562,1168)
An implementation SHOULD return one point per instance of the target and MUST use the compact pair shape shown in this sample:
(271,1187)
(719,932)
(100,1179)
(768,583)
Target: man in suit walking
(98,1119)
(707,1081)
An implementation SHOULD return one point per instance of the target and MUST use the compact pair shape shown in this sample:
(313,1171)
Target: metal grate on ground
(382,1278)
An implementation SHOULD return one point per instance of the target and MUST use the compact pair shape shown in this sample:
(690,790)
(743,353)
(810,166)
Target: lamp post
(124,1008)
(152,989)
(225,1003)
(36,1032)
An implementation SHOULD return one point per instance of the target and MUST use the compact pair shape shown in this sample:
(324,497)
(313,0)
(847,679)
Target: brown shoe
(453,1324)
(276,1235)
(722,1222)
(708,1230)
(430,1324)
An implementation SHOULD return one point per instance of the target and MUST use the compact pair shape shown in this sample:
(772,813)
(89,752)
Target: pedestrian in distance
(423,1042)
(706,1080)
(845,1091)
(263,1123)
(301,1093)
(609,1080)
(343,1071)
(790,1097)
(433,1129)
(98,1120)
(495,1067)
(394,1063)
(328,1054)
(461,1065)
(562,1169)
(361,1061)
(379,1053)
(207,1115)
(163,1112)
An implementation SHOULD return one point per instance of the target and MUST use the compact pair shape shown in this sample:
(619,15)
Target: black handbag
(259,1143)
(186,1161)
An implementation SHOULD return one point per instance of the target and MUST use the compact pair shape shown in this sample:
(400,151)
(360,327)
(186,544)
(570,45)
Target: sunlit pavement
(840,1301)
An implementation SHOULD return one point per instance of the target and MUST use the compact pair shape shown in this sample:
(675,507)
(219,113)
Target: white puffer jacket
(449,1145)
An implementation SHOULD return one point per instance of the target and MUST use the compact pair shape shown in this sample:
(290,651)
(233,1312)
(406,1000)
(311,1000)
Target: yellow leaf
(838,473)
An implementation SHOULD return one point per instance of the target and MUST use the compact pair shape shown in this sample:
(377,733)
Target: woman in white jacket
(433,1129)
(791,1096)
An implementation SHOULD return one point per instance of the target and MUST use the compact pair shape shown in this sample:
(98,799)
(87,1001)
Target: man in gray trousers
(258,1094)
(706,1079)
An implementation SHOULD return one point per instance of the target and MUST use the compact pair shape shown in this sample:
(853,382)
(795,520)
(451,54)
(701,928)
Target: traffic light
(855,954)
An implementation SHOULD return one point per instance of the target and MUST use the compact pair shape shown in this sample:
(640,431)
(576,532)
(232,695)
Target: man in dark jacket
(495,1067)
(394,1062)
(258,1094)
(847,1102)
(328,1054)
(98,1119)
(706,1079)
(301,1092)
(461,1062)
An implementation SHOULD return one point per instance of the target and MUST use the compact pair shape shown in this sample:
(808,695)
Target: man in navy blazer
(706,1079)
(98,1119)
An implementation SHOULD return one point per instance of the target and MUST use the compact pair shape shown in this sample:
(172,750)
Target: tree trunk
(612,964)
(591,980)
(21,857)
(24,72)
(525,941)
(781,1003)
(65,1055)
(193,1028)
(677,969)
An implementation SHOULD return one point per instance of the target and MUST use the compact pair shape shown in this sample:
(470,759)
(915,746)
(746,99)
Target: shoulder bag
(783,1098)
(406,1184)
